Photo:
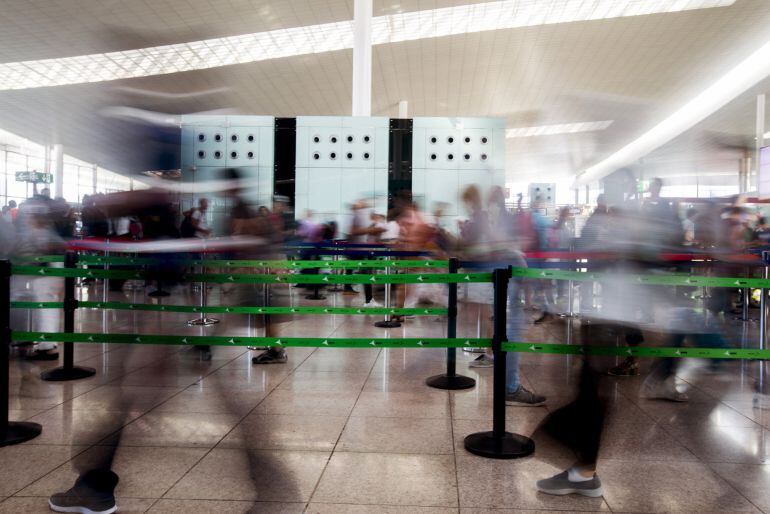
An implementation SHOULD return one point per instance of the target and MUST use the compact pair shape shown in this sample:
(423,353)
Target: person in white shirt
(199,221)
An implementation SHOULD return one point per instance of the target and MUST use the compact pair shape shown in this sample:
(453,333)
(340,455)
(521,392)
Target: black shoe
(270,357)
(93,493)
(43,355)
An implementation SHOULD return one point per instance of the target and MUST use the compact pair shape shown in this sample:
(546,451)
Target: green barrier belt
(219,263)
(432,278)
(653,280)
(637,351)
(233,310)
(319,342)
(334,342)
(223,278)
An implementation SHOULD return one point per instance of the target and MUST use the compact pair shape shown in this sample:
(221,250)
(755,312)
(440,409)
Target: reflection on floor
(354,431)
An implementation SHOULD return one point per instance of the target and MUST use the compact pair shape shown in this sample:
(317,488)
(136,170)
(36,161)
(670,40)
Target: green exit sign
(34,176)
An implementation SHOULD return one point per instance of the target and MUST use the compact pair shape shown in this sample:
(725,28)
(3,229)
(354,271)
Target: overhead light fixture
(735,82)
(561,128)
(327,37)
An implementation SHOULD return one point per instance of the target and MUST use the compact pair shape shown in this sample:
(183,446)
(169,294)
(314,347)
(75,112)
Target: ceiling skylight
(561,128)
(431,23)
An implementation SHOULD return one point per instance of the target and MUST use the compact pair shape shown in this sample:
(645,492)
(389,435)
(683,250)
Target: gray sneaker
(524,398)
(270,357)
(91,494)
(482,361)
(560,485)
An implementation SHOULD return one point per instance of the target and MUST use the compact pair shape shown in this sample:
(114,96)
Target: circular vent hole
(350,139)
(450,157)
(484,140)
(233,155)
(349,156)
(367,139)
(467,157)
(316,139)
(450,140)
(201,137)
(217,154)
(251,138)
(218,137)
(433,157)
(316,156)
(483,157)
(250,155)
(201,154)
(433,140)
(234,138)
(333,139)
(467,139)
(366,156)
(332,156)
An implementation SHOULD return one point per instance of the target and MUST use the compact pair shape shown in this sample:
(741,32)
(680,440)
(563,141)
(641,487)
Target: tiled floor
(357,431)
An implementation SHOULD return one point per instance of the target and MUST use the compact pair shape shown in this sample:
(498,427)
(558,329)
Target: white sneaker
(372,303)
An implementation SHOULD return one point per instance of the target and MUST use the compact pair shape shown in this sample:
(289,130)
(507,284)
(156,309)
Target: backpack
(187,229)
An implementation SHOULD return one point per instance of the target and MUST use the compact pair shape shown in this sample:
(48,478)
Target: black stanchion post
(68,371)
(499,444)
(11,432)
(451,380)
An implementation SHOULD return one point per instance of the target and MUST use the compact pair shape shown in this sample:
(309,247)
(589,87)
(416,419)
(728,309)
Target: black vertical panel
(285,158)
(399,160)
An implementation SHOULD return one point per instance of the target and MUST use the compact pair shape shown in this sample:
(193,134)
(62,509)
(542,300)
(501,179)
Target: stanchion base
(19,431)
(510,446)
(159,294)
(388,324)
(315,297)
(203,322)
(64,374)
(450,382)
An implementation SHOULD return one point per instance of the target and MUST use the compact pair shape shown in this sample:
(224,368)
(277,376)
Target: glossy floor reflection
(357,431)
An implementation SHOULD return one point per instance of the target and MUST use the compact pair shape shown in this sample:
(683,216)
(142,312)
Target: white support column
(58,170)
(93,178)
(403,109)
(362,58)
(760,135)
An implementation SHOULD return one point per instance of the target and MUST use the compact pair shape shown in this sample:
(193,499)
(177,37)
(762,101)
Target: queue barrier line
(652,280)
(256,263)
(433,278)
(298,342)
(224,278)
(373,342)
(636,351)
(235,310)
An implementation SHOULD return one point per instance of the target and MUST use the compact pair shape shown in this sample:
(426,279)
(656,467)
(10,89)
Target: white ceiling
(633,70)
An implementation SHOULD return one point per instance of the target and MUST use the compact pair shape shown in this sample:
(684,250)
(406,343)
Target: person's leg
(516,324)
(274,354)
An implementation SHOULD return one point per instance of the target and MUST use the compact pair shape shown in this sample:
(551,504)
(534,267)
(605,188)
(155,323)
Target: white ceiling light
(561,128)
(274,44)
(745,75)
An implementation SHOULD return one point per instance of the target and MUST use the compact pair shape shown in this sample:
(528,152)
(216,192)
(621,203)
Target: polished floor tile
(388,479)
(428,403)
(397,435)
(176,429)
(633,486)
(224,507)
(751,481)
(213,401)
(23,464)
(310,403)
(253,475)
(144,472)
(511,484)
(39,505)
(63,425)
(286,432)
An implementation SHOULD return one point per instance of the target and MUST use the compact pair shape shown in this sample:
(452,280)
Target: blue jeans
(516,325)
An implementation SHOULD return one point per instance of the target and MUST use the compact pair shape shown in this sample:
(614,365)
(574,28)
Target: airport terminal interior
(384,256)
